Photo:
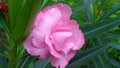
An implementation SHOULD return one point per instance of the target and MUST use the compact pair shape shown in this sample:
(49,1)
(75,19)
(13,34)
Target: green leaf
(89,11)
(101,61)
(112,35)
(115,34)
(103,3)
(86,55)
(2,50)
(14,7)
(3,62)
(5,25)
(34,12)
(110,12)
(22,18)
(43,64)
(96,63)
(0,66)
(25,61)
(114,62)
(115,45)
(101,27)
(44,3)
(83,6)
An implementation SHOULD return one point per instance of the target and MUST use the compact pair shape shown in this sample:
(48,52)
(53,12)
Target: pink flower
(54,35)
(0,6)
(4,7)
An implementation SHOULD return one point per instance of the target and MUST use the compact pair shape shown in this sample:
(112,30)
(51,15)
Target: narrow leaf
(5,25)
(87,55)
(89,11)
(83,6)
(101,27)
(110,12)
(22,19)
(42,64)
(26,61)
(14,7)
(33,12)
(3,62)
(114,62)
(44,3)
(115,45)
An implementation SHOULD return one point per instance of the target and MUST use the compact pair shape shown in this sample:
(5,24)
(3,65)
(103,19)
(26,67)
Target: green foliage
(86,56)
(43,64)
(98,19)
(21,15)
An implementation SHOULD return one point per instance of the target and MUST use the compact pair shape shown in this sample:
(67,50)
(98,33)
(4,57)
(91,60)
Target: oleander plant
(59,33)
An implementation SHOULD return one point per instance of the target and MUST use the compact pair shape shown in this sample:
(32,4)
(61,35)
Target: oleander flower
(4,7)
(0,5)
(55,35)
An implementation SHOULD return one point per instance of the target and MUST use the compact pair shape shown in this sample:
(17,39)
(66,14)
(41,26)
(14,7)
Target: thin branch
(5,56)
(4,45)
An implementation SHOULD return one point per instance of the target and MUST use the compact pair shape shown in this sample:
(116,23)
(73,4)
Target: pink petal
(51,15)
(62,62)
(52,50)
(45,20)
(43,53)
(77,40)
(58,39)
(65,10)
(79,36)
(38,39)
(66,25)
(68,47)
(47,17)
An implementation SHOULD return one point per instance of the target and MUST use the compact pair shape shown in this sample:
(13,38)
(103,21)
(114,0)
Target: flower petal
(62,62)
(50,15)
(58,39)
(38,39)
(79,36)
(52,50)
(65,10)
(47,17)
(77,40)
(43,53)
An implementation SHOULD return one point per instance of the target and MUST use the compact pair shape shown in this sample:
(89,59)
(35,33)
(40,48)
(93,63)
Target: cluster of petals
(55,35)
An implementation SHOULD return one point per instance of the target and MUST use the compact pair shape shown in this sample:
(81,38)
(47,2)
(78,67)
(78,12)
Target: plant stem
(13,55)
(12,62)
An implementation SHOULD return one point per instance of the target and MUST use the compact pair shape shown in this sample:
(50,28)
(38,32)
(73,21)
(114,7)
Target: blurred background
(98,19)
